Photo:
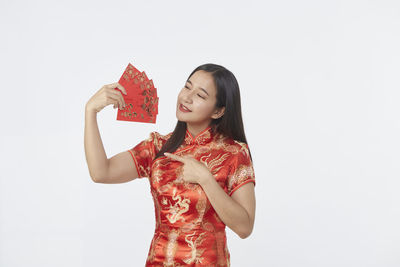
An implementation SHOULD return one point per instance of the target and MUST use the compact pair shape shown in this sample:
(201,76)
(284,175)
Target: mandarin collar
(202,138)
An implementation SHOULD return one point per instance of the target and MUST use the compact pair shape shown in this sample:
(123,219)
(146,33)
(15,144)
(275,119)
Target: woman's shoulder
(155,135)
(159,139)
(238,152)
(235,153)
(233,145)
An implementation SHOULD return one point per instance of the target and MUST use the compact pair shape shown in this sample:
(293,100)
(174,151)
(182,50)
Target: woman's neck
(195,130)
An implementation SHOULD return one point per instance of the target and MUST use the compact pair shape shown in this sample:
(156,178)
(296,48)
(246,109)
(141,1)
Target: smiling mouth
(183,108)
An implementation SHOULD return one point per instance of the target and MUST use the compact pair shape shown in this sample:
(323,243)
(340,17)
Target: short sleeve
(143,155)
(241,172)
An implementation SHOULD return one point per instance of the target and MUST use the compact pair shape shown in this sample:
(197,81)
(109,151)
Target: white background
(320,95)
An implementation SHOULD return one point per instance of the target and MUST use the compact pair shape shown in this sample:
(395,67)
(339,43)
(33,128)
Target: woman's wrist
(89,110)
(207,180)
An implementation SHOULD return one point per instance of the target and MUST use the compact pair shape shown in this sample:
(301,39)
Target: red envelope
(141,99)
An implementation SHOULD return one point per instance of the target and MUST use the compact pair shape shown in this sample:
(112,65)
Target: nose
(188,96)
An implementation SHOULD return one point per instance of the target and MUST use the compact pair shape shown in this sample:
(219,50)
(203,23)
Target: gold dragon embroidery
(181,206)
(195,255)
(215,164)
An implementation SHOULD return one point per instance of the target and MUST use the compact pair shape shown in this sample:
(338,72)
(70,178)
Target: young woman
(201,175)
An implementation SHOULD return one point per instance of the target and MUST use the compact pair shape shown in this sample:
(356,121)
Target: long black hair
(228,96)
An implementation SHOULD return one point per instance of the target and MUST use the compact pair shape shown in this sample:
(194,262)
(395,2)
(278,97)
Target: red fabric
(188,230)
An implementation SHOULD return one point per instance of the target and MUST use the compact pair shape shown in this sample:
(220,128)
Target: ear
(218,113)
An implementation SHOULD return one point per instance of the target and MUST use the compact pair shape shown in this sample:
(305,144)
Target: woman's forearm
(96,157)
(231,213)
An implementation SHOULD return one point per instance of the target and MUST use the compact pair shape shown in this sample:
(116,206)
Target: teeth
(184,107)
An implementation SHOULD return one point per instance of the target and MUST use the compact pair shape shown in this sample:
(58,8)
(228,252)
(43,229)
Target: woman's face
(199,96)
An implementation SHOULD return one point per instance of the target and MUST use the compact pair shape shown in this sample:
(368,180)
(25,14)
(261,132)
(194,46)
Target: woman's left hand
(194,171)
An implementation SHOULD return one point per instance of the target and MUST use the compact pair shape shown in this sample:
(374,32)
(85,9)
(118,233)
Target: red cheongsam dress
(188,231)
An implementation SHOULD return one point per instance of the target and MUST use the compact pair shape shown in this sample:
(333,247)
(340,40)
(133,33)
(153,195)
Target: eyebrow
(200,87)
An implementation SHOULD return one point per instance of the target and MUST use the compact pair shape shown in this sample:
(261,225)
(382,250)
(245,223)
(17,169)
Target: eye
(187,87)
(201,96)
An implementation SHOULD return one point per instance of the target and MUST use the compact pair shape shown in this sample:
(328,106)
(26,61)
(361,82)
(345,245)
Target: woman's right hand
(105,96)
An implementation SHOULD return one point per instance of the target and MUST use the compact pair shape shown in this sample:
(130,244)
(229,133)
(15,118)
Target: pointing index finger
(174,157)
